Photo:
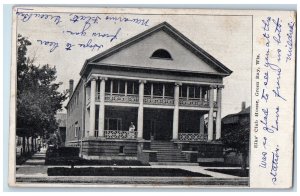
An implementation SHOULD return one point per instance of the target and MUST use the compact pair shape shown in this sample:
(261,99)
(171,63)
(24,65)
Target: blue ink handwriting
(53,45)
(26,16)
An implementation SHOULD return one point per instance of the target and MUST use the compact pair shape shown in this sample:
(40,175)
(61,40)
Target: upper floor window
(161,54)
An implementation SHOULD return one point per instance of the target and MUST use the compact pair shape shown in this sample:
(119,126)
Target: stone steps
(167,152)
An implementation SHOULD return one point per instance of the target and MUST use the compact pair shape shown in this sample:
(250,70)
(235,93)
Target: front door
(158,124)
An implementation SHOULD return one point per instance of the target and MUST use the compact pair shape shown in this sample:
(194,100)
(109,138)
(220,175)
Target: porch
(142,96)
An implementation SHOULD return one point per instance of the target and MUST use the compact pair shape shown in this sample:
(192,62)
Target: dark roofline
(242,112)
(172,32)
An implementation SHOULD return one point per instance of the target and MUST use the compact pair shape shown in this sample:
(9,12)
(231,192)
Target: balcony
(152,100)
(192,137)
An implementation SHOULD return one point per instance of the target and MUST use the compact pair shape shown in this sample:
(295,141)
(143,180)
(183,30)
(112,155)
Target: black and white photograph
(145,97)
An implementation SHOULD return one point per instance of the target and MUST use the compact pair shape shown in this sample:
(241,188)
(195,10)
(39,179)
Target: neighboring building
(237,122)
(161,82)
(238,119)
(61,119)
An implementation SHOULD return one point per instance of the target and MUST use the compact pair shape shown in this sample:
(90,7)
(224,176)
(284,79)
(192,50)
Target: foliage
(236,136)
(38,98)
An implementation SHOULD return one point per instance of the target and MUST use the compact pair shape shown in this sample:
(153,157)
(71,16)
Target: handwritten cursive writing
(139,21)
(26,16)
(91,45)
(53,45)
(277,36)
(276,91)
(289,43)
(263,162)
(106,35)
(275,163)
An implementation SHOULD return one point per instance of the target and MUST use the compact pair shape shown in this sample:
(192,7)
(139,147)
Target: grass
(234,172)
(111,171)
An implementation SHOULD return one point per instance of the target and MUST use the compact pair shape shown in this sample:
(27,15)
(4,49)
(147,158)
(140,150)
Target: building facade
(154,97)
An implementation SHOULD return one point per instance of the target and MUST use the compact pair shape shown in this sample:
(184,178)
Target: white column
(101,108)
(176,112)
(218,120)
(92,108)
(202,123)
(140,123)
(83,129)
(210,114)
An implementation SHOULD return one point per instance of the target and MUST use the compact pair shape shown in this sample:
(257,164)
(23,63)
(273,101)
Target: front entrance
(158,124)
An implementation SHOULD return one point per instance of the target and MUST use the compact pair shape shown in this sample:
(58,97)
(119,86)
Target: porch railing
(155,100)
(119,98)
(158,100)
(117,134)
(192,137)
(194,102)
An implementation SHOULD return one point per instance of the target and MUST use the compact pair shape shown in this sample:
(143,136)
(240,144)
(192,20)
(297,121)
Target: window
(107,86)
(147,90)
(121,87)
(118,87)
(169,90)
(113,124)
(76,129)
(121,149)
(194,92)
(161,54)
(183,91)
(132,87)
(157,89)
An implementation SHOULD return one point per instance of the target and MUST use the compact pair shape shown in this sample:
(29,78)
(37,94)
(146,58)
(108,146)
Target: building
(165,85)
(61,119)
(231,124)
(238,119)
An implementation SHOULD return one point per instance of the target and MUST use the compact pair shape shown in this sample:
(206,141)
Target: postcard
(121,97)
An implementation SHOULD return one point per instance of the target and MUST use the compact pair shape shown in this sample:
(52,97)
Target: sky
(227,38)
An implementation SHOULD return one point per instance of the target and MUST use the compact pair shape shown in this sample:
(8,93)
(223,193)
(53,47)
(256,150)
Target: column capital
(102,78)
(93,78)
(178,83)
(220,86)
(143,81)
(213,86)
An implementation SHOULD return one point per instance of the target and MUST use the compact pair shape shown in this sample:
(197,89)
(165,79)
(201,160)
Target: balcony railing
(117,134)
(155,100)
(119,98)
(193,102)
(192,137)
(158,100)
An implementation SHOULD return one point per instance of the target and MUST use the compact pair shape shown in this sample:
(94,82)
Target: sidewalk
(34,171)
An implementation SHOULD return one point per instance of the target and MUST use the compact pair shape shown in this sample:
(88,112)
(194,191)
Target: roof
(171,31)
(242,112)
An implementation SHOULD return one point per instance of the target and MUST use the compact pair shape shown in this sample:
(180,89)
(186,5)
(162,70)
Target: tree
(237,137)
(38,98)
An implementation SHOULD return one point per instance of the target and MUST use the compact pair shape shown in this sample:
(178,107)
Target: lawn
(112,171)
(234,172)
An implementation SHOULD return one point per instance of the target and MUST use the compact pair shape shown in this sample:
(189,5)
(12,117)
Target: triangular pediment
(138,50)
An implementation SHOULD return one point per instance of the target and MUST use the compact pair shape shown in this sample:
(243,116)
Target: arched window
(161,54)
